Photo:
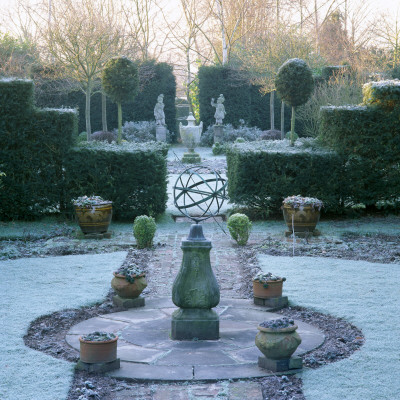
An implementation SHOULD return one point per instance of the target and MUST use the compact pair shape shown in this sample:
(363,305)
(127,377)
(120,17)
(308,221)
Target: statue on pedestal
(159,111)
(219,109)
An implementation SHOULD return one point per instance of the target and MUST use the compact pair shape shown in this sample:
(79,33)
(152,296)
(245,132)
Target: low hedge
(261,174)
(132,175)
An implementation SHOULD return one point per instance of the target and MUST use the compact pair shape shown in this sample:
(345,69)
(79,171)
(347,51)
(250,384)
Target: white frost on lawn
(367,295)
(37,286)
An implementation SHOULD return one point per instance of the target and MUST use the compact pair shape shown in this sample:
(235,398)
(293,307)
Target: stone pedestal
(273,302)
(128,303)
(98,367)
(191,157)
(218,133)
(195,291)
(161,133)
(292,363)
(314,233)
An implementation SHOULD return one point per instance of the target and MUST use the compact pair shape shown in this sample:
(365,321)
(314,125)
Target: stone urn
(94,351)
(277,343)
(190,135)
(126,289)
(301,220)
(94,219)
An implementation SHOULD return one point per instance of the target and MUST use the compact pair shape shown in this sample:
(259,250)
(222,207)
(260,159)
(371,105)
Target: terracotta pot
(274,289)
(98,352)
(128,290)
(305,219)
(95,219)
(278,344)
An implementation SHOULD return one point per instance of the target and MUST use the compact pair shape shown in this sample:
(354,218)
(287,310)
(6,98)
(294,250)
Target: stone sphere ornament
(199,193)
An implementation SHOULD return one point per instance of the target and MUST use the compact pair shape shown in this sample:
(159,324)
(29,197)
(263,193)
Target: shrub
(144,229)
(102,136)
(139,132)
(239,227)
(385,94)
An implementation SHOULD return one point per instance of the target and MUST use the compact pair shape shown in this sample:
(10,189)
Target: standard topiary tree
(239,227)
(120,80)
(144,229)
(294,84)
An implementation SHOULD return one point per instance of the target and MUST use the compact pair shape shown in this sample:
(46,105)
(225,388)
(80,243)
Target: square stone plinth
(273,302)
(98,367)
(280,365)
(192,324)
(128,303)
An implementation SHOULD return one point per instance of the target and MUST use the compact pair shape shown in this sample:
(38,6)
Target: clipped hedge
(242,100)
(34,146)
(132,175)
(262,174)
(385,94)
(156,78)
(369,139)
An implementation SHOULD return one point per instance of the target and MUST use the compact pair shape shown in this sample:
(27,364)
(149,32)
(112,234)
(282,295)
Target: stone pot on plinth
(195,291)
(190,135)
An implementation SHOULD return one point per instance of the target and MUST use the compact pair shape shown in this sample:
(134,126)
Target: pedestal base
(315,232)
(128,303)
(292,363)
(161,133)
(191,158)
(105,235)
(218,133)
(195,323)
(273,302)
(98,367)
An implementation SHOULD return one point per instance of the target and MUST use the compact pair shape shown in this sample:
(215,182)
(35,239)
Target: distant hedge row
(44,172)
(242,100)
(156,78)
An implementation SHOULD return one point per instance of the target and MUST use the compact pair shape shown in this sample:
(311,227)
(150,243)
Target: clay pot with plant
(93,214)
(239,227)
(98,347)
(277,339)
(144,229)
(129,282)
(267,286)
(301,214)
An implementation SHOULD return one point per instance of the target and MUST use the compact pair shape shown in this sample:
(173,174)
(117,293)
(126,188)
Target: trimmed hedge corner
(261,174)
(132,175)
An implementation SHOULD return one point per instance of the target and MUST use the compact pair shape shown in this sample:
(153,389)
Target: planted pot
(129,281)
(301,214)
(277,343)
(93,214)
(266,286)
(94,350)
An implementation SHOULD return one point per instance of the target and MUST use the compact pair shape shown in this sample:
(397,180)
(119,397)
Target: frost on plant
(98,336)
(279,323)
(89,201)
(300,202)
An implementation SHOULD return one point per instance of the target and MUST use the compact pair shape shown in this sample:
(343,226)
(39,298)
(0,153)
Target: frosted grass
(39,286)
(367,295)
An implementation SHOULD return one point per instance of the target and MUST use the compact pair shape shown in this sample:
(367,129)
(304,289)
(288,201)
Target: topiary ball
(144,229)
(239,227)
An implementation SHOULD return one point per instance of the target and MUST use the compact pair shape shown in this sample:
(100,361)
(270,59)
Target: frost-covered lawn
(365,294)
(33,287)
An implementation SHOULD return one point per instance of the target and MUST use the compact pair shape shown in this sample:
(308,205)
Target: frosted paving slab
(148,353)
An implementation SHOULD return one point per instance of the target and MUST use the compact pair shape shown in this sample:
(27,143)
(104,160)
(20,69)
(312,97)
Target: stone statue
(159,111)
(219,109)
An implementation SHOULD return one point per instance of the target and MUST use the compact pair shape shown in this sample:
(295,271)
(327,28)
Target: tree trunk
(119,139)
(282,120)
(87,109)
(272,109)
(188,82)
(292,122)
(104,112)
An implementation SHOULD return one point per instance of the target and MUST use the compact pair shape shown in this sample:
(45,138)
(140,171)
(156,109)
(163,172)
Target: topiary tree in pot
(294,84)
(120,80)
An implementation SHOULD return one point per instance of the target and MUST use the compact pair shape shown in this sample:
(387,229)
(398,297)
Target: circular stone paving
(148,353)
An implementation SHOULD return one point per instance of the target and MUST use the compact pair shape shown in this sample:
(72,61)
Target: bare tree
(81,37)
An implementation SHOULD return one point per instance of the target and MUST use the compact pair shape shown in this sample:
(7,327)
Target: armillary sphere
(199,193)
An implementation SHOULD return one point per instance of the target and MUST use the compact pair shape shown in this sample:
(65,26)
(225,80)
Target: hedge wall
(369,139)
(242,100)
(133,176)
(157,78)
(34,146)
(262,174)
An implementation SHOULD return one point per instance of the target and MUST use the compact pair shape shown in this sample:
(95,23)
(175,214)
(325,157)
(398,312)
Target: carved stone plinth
(273,302)
(161,133)
(218,133)
(292,363)
(128,303)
